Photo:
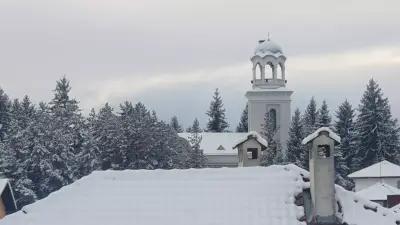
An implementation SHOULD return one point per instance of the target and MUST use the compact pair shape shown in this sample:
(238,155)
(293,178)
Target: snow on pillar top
(314,135)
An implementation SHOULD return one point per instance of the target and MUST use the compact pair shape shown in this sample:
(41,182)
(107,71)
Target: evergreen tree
(4,114)
(175,124)
(295,150)
(324,119)
(345,128)
(273,154)
(105,129)
(243,123)
(378,132)
(198,159)
(310,119)
(195,128)
(216,113)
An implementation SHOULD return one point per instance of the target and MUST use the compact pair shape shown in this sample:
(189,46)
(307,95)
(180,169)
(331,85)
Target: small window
(398,184)
(324,151)
(221,148)
(252,153)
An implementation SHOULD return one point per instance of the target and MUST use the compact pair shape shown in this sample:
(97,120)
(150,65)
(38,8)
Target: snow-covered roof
(224,196)
(252,134)
(378,192)
(218,143)
(8,198)
(268,47)
(3,184)
(314,135)
(381,169)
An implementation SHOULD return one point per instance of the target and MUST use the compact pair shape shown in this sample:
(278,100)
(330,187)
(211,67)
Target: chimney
(322,176)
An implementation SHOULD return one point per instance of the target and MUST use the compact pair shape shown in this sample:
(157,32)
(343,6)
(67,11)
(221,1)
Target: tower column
(262,68)
(274,72)
(283,71)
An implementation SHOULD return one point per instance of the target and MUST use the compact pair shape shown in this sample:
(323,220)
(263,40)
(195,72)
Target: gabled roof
(194,196)
(314,135)
(252,135)
(378,192)
(381,169)
(211,142)
(7,196)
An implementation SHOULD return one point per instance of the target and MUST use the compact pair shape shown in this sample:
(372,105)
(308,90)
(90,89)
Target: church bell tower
(269,92)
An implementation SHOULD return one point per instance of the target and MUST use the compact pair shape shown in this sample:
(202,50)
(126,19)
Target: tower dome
(268,59)
(266,47)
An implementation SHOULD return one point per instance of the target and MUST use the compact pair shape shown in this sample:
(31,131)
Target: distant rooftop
(218,143)
(378,192)
(381,169)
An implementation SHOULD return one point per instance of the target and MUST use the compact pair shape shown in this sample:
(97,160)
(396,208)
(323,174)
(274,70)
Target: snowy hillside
(233,196)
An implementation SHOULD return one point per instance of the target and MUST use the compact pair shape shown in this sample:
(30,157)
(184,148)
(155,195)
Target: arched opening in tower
(269,71)
(258,71)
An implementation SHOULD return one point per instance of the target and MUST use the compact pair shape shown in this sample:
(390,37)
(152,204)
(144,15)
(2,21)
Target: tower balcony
(269,83)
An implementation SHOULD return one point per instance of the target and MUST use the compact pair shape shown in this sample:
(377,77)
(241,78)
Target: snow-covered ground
(233,196)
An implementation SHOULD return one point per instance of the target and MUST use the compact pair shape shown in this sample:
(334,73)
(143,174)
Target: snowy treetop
(381,169)
(314,135)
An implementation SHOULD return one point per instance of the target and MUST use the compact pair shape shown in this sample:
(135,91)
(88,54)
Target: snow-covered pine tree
(345,128)
(195,128)
(324,119)
(4,114)
(68,127)
(295,150)
(89,158)
(106,132)
(309,120)
(198,159)
(216,114)
(175,124)
(273,153)
(243,123)
(378,132)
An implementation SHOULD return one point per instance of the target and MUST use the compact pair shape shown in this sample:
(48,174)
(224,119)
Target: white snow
(359,211)
(314,135)
(378,191)
(210,142)
(252,134)
(381,169)
(268,47)
(231,196)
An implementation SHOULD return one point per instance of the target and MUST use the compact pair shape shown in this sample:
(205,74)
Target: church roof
(218,143)
(224,196)
(268,47)
(378,192)
(381,169)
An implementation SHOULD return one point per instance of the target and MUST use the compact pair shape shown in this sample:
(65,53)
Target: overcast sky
(172,54)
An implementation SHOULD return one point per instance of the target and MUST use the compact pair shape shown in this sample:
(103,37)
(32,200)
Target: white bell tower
(269,92)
